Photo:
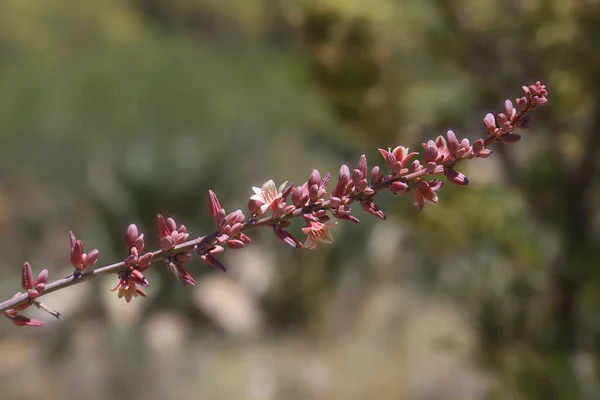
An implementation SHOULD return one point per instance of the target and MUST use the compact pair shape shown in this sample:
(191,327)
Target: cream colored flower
(317,232)
(267,197)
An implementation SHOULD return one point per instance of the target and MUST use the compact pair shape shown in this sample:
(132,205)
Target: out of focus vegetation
(112,111)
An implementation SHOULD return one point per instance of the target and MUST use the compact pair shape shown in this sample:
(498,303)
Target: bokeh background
(113,111)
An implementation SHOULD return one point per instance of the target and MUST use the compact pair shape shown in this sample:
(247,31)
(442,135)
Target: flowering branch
(275,207)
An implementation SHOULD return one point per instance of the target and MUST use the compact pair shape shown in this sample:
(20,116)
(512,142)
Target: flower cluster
(131,276)
(275,207)
(171,236)
(79,259)
(501,128)
(229,233)
(33,288)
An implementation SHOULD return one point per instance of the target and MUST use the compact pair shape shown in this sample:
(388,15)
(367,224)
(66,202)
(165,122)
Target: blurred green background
(113,111)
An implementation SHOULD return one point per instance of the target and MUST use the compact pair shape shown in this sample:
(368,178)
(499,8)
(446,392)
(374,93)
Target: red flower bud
(131,235)
(398,187)
(362,165)
(490,123)
(27,277)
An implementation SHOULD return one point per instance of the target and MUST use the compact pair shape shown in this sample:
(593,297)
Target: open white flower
(317,232)
(267,197)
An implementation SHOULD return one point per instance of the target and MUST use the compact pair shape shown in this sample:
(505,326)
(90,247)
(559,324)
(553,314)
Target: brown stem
(207,242)
(200,242)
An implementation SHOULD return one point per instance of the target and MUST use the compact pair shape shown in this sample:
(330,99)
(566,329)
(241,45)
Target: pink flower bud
(485,153)
(213,262)
(289,209)
(344,171)
(21,320)
(214,204)
(357,176)
(374,172)
(314,178)
(286,192)
(92,257)
(286,237)
(373,209)
(32,294)
(137,277)
(398,187)
(334,202)
(325,180)
(72,239)
(521,104)
(431,167)
(171,224)
(456,177)
(27,276)
(254,206)
(341,186)
(77,256)
(346,217)
(130,261)
(144,261)
(502,120)
(163,229)
(216,250)
(277,212)
(166,243)
(362,165)
(361,185)
(489,122)
(451,136)
(300,195)
(416,166)
(181,237)
(236,216)
(40,287)
(538,89)
(42,276)
(539,101)
(139,243)
(179,271)
(452,142)
(388,156)
(131,235)
(431,152)
(235,244)
(509,109)
(478,146)
(236,229)
(313,193)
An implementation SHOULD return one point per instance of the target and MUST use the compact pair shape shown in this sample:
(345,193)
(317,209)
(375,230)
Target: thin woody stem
(161,255)
(106,270)
(206,243)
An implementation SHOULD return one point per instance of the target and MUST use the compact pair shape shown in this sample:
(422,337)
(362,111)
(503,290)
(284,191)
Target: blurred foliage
(117,110)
